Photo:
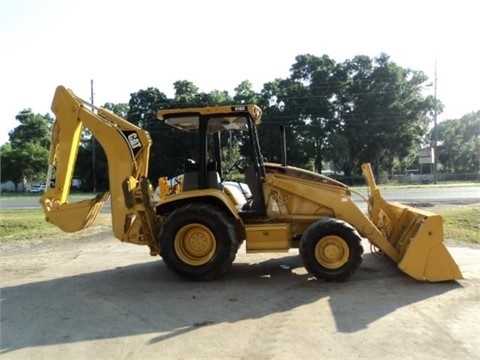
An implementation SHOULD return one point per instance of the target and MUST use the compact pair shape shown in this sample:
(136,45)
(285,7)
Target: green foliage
(386,117)
(32,128)
(459,144)
(20,225)
(24,224)
(341,114)
(362,110)
(169,148)
(91,165)
(232,156)
(244,94)
(120,109)
(25,156)
(462,223)
(185,92)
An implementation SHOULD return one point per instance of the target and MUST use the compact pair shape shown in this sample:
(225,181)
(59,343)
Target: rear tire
(198,241)
(331,250)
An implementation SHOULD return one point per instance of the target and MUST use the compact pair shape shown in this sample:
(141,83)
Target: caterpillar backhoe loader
(200,220)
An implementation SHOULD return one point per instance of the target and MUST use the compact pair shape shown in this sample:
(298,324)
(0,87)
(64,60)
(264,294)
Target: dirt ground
(94,297)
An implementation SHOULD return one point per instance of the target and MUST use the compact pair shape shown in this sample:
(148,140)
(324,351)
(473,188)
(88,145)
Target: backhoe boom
(127,150)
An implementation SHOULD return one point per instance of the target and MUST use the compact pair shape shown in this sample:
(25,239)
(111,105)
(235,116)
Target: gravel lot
(94,297)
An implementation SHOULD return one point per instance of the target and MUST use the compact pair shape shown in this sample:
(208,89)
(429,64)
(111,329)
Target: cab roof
(231,117)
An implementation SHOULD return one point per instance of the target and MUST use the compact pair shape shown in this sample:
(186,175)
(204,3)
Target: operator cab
(211,170)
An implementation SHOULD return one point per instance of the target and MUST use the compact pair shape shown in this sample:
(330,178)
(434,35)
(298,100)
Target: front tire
(198,241)
(331,250)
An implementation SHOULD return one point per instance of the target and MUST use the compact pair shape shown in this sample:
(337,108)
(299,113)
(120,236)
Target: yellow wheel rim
(332,252)
(195,244)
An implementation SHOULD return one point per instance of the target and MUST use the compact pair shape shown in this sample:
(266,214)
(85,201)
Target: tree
(244,93)
(32,128)
(185,92)
(272,101)
(459,143)
(91,167)
(362,110)
(386,116)
(120,109)
(313,102)
(25,156)
(372,109)
(168,150)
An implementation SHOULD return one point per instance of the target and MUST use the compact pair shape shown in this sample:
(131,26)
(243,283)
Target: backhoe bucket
(72,217)
(415,235)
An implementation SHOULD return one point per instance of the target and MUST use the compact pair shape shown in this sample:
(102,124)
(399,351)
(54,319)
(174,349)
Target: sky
(126,46)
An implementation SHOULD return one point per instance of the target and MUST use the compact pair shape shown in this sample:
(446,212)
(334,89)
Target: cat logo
(134,141)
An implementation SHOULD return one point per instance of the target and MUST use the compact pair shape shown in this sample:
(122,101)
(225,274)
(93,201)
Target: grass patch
(461,222)
(31,224)
(24,224)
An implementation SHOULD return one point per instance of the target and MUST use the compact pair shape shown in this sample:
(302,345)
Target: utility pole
(93,143)
(435,150)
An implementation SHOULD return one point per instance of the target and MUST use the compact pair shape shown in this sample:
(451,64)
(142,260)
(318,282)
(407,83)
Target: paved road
(434,195)
(466,194)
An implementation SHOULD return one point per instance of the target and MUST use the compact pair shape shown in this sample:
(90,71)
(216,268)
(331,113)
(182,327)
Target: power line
(93,145)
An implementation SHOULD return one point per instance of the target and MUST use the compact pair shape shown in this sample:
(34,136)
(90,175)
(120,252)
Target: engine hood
(299,173)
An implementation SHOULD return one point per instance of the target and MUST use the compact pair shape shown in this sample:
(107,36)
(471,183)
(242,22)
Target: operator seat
(190,178)
(256,204)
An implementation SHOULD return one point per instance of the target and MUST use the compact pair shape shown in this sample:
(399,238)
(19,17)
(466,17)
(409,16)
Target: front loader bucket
(415,236)
(72,217)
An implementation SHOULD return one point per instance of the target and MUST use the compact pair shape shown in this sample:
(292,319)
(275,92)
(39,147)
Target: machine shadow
(148,299)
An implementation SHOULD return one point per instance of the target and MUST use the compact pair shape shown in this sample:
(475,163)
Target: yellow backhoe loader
(200,220)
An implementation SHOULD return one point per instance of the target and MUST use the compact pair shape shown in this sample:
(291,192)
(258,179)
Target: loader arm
(411,237)
(127,150)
